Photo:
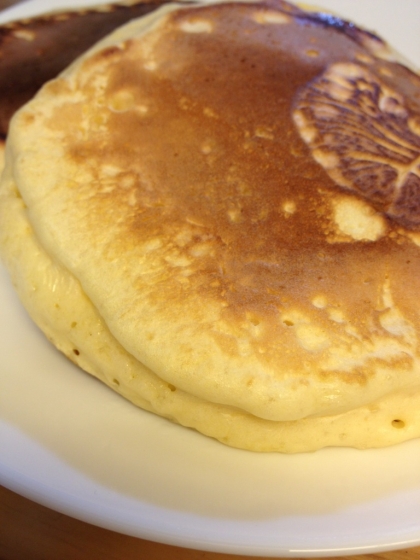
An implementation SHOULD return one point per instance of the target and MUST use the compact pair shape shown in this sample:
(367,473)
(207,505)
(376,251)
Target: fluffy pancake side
(207,260)
(57,303)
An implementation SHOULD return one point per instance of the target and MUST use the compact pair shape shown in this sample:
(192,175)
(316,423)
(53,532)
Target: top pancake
(235,187)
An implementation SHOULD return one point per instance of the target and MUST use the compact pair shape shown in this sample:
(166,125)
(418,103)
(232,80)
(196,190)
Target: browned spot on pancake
(360,130)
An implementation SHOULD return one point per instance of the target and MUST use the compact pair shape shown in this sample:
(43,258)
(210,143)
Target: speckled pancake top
(236,187)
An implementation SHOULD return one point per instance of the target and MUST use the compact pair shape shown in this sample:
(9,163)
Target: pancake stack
(216,211)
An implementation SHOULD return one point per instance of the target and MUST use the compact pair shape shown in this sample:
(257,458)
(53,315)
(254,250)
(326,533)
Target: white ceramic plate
(70,443)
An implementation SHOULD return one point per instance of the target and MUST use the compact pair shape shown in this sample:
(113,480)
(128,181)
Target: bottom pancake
(56,302)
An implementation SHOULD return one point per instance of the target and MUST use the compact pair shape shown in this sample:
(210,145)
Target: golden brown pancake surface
(216,186)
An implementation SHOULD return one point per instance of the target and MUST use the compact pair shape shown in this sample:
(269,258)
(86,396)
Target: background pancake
(35,50)
(290,312)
